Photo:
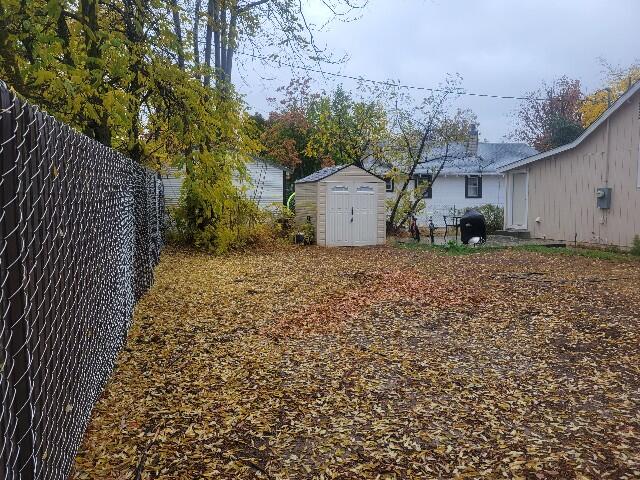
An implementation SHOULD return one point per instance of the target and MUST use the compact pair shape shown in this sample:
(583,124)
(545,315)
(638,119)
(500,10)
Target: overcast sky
(501,47)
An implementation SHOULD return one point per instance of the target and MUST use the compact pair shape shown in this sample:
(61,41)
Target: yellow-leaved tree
(109,69)
(619,80)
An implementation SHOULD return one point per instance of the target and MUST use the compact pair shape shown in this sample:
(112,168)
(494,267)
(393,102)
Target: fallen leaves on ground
(376,363)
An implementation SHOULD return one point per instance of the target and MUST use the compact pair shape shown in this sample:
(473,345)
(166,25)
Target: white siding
(172,182)
(638,170)
(266,185)
(449,193)
(307,203)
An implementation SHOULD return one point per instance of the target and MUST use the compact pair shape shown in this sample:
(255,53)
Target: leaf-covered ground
(376,363)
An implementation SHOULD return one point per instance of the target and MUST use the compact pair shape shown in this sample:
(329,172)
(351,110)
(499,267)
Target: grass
(611,255)
(457,249)
(635,250)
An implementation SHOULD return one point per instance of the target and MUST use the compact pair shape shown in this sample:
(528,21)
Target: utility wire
(457,91)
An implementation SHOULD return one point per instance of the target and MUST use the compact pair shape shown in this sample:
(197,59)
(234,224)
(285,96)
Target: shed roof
(320,174)
(328,171)
(569,146)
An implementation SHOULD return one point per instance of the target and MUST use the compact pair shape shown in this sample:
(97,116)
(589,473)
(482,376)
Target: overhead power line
(457,91)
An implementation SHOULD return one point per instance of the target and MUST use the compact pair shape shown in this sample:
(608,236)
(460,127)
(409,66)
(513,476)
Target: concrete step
(522,234)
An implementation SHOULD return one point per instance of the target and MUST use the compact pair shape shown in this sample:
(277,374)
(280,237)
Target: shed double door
(351,214)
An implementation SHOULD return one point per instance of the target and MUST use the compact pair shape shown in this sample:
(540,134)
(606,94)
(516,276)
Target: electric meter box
(603,195)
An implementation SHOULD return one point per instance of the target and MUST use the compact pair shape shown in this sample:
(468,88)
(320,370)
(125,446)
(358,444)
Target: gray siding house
(587,191)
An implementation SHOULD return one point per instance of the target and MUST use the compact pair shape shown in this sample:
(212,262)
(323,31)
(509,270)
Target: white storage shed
(346,205)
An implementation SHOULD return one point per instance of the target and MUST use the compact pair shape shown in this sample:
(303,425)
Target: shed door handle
(352,211)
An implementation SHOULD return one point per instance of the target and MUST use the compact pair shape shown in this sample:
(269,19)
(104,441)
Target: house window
(421,182)
(390,185)
(473,186)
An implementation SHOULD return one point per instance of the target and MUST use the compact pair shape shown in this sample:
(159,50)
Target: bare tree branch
(251,5)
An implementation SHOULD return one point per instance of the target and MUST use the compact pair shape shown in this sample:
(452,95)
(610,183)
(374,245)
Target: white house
(469,177)
(267,186)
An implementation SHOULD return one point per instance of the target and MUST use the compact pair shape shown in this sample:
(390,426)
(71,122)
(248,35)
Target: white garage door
(351,213)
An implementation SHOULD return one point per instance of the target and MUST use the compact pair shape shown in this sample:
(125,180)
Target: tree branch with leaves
(417,132)
(551,116)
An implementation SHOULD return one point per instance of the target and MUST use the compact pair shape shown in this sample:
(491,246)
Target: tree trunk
(196,34)
(177,30)
(28,40)
(433,180)
(223,26)
(223,36)
(65,35)
(135,31)
(231,42)
(207,42)
(216,35)
(98,129)
(416,159)
(394,210)
(6,53)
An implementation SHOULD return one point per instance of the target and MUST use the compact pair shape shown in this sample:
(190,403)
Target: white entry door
(351,214)
(518,194)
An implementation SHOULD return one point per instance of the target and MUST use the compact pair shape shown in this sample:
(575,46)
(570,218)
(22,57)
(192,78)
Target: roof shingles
(489,158)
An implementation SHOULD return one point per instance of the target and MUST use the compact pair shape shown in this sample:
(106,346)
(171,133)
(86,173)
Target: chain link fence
(80,232)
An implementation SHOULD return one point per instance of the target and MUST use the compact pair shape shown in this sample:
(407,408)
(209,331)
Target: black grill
(473,224)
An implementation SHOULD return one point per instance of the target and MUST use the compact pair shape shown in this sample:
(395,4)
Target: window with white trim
(473,186)
(425,182)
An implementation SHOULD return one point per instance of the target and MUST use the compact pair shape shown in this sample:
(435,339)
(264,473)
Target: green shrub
(493,215)
(308,232)
(212,213)
(635,250)
(273,227)
(283,220)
